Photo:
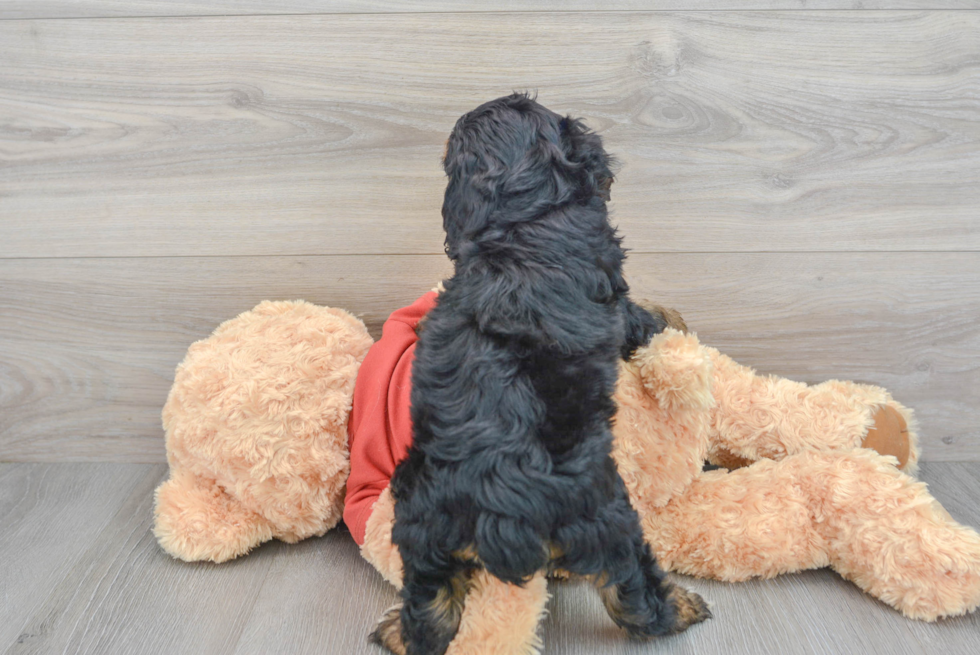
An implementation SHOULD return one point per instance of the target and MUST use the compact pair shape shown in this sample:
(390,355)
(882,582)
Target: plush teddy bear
(261,441)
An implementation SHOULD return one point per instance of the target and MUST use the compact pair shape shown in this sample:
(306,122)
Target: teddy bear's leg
(758,417)
(854,511)
(733,526)
(501,618)
(888,535)
(377,548)
(195,520)
(498,618)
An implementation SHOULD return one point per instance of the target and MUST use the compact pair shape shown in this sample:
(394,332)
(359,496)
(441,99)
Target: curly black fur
(513,380)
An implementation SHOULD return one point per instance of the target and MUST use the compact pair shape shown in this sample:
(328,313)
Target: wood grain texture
(738,131)
(23,9)
(123,595)
(50,516)
(805,613)
(89,346)
(319,597)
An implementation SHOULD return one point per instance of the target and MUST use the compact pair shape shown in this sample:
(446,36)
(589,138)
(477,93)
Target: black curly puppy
(512,386)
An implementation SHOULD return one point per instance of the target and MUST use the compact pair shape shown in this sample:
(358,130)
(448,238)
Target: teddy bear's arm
(767,417)
(854,511)
(196,520)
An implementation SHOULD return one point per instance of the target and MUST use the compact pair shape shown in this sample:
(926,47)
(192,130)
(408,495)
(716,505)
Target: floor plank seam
(442,254)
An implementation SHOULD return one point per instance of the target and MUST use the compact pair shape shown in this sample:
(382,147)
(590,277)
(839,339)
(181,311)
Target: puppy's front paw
(560,575)
(388,632)
(689,608)
(664,315)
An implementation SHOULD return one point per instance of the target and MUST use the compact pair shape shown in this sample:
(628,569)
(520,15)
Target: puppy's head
(511,160)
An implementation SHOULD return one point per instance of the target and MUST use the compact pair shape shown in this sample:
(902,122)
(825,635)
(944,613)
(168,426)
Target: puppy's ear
(591,166)
(474,177)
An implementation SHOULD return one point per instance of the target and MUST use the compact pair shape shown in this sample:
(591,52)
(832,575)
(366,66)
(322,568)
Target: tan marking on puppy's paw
(670,316)
(690,608)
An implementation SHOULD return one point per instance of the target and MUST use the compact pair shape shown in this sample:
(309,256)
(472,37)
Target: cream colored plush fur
(256,426)
(812,496)
(257,445)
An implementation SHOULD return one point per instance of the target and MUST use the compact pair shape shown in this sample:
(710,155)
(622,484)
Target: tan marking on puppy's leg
(467,554)
(610,598)
(388,632)
(613,603)
(555,573)
(447,606)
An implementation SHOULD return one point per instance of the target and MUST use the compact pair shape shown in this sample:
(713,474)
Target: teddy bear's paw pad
(889,435)
(388,632)
(689,608)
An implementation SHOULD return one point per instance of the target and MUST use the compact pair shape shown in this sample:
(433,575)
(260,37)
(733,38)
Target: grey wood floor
(81,573)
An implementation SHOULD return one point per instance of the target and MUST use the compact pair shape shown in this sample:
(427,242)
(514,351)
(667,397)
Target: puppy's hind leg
(388,632)
(635,591)
(432,604)
(642,601)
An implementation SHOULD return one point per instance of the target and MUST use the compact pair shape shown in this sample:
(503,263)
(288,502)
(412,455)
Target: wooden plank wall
(803,185)
(117,8)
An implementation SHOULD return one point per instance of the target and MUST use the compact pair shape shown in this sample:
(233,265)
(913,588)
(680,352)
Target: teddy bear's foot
(889,536)
(498,619)
(926,580)
(875,525)
(889,435)
(501,618)
(924,564)
(195,520)
(766,417)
